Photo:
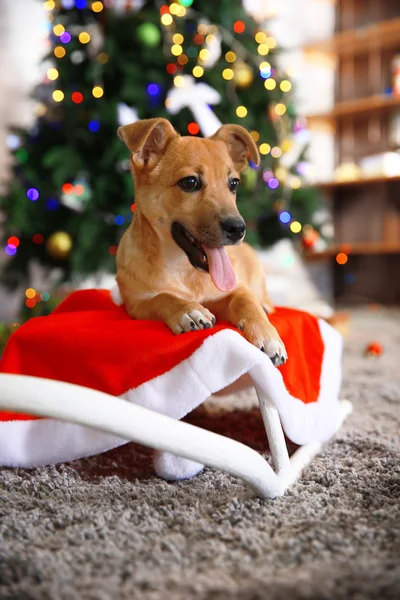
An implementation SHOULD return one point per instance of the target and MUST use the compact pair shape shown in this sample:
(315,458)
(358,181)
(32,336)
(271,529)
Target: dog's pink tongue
(221,270)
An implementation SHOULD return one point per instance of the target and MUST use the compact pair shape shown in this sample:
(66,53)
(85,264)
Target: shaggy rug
(105,528)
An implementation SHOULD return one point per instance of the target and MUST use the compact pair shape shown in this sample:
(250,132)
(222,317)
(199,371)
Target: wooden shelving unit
(366,212)
(358,106)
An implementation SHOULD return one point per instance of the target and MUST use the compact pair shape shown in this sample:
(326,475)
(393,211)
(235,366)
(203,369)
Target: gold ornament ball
(243,75)
(59,245)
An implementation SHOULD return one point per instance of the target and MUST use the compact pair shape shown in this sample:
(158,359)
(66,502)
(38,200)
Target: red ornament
(374,349)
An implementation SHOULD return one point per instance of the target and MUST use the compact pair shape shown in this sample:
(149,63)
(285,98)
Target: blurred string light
(153,89)
(265,70)
(32,194)
(264,148)
(52,204)
(280,109)
(10,249)
(52,74)
(260,37)
(178,38)
(241,111)
(295,227)
(230,56)
(68,4)
(166,19)
(102,58)
(77,97)
(84,37)
(178,81)
(198,71)
(227,74)
(58,30)
(119,220)
(263,49)
(285,217)
(97,7)
(285,85)
(13,241)
(255,135)
(59,52)
(50,5)
(295,183)
(273,183)
(65,37)
(38,239)
(97,91)
(58,96)
(342,258)
(193,128)
(239,27)
(183,59)
(13,142)
(81,4)
(276,152)
(176,49)
(270,84)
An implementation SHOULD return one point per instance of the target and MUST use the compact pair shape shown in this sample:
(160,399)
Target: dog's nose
(233,228)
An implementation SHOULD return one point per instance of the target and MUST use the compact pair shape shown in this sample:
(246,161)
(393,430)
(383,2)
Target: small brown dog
(180,261)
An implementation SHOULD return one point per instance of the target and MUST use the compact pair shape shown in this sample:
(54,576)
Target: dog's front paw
(264,336)
(193,317)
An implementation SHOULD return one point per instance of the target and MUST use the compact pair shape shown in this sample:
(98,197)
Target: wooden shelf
(356,41)
(359,106)
(332,185)
(355,249)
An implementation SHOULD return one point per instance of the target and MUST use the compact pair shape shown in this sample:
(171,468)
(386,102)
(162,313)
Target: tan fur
(155,277)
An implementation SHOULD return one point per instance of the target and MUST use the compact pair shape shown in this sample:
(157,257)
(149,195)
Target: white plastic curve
(91,408)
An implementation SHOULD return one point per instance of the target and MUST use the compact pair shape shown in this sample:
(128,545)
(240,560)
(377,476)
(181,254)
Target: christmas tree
(199,63)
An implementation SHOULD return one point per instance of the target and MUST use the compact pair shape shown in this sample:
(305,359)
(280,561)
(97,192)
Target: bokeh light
(97,91)
(58,30)
(241,111)
(119,220)
(295,227)
(52,74)
(153,89)
(285,217)
(166,19)
(94,126)
(227,74)
(65,37)
(59,52)
(193,128)
(97,7)
(13,240)
(77,97)
(32,194)
(342,258)
(270,84)
(273,183)
(285,85)
(264,148)
(239,27)
(84,37)
(198,71)
(263,49)
(58,96)
(30,293)
(38,238)
(230,56)
(10,249)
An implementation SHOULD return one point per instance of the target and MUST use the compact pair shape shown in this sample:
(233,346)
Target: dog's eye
(189,184)
(233,183)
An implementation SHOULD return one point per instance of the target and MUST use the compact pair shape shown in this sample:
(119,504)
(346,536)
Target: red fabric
(90,341)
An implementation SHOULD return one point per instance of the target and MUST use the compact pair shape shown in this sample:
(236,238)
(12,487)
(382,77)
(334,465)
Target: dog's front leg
(180,315)
(243,310)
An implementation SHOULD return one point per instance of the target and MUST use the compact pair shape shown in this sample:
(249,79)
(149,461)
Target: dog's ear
(147,140)
(239,143)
